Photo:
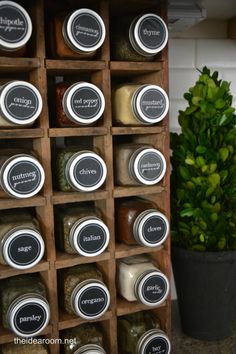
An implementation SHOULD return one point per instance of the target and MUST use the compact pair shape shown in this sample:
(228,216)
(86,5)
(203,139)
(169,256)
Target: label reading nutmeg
(158,345)
(86,30)
(24,177)
(152,32)
(154,288)
(13,24)
(30,318)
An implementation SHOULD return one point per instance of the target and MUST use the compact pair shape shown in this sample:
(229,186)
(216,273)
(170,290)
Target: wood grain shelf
(64,260)
(19,64)
(123,250)
(6,271)
(8,203)
(72,197)
(134,68)
(7,336)
(62,66)
(68,321)
(137,130)
(21,133)
(81,131)
(120,192)
(124,307)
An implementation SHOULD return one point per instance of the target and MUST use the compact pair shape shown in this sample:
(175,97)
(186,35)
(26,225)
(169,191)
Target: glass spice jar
(135,104)
(79,34)
(20,104)
(140,333)
(84,292)
(18,348)
(138,39)
(81,231)
(79,169)
(139,222)
(21,244)
(24,306)
(21,174)
(15,29)
(140,280)
(137,164)
(81,103)
(83,339)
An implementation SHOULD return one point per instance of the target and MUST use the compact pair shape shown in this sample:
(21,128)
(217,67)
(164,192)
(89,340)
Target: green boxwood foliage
(203,179)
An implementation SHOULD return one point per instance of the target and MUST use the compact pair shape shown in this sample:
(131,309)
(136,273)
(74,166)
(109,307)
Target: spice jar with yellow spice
(78,35)
(135,104)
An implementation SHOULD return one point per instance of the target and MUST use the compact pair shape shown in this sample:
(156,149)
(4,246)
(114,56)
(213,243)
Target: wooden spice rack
(39,68)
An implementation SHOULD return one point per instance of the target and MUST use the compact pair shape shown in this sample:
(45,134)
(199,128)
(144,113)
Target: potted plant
(203,209)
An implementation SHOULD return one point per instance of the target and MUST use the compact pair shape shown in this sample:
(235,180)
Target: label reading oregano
(92,301)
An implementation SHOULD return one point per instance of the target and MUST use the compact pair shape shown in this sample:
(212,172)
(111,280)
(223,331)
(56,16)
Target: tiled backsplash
(188,55)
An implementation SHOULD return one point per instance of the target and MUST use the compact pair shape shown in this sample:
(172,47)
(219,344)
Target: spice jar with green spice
(18,348)
(83,291)
(24,306)
(21,244)
(140,333)
(79,169)
(138,38)
(85,338)
(136,104)
(81,231)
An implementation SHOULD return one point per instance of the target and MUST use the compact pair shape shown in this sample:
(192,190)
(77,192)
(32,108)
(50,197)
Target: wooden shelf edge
(25,64)
(7,336)
(72,197)
(120,192)
(7,203)
(136,130)
(21,133)
(65,260)
(67,321)
(123,250)
(124,307)
(120,66)
(6,271)
(67,65)
(76,131)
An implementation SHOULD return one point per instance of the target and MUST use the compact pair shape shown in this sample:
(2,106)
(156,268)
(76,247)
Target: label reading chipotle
(88,171)
(21,102)
(150,166)
(153,103)
(86,103)
(86,30)
(154,229)
(24,177)
(158,345)
(154,288)
(30,318)
(151,32)
(91,238)
(92,301)
(24,249)
(13,24)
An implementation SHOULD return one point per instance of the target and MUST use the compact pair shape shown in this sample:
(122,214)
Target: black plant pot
(206,290)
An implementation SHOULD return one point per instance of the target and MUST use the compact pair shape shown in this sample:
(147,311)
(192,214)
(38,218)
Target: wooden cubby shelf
(44,70)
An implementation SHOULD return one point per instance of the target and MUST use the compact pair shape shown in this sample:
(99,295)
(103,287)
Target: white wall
(205,45)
